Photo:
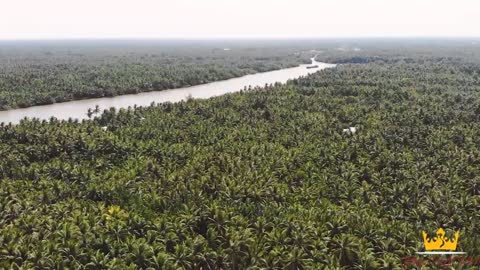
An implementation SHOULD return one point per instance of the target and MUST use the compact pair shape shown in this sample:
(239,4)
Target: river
(78,109)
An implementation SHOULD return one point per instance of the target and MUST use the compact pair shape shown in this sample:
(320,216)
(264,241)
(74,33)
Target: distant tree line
(36,75)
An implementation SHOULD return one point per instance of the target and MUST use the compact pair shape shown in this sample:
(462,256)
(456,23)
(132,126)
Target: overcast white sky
(36,19)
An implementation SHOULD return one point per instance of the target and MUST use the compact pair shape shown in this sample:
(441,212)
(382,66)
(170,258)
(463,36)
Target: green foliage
(36,74)
(261,179)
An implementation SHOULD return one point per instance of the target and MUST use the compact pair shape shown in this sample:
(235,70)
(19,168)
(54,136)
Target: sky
(192,19)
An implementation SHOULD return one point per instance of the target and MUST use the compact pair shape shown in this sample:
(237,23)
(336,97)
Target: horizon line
(237,38)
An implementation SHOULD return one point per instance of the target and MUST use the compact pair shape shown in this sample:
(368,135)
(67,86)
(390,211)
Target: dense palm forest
(261,179)
(36,73)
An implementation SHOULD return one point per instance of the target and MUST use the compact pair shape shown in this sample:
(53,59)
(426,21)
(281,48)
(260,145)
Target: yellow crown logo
(440,241)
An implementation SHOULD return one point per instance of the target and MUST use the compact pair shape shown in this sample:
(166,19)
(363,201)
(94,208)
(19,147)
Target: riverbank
(39,73)
(78,109)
